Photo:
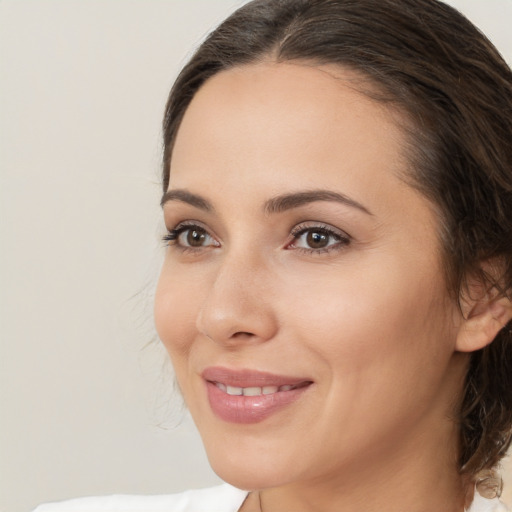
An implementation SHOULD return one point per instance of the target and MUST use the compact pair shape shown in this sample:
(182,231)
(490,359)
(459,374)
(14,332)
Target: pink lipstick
(247,396)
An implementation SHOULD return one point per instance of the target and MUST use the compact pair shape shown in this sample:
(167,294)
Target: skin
(369,320)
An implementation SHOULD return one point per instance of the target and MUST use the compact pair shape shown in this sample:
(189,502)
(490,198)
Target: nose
(238,307)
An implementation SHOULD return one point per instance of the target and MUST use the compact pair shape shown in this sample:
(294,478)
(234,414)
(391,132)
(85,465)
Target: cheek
(383,346)
(374,321)
(176,304)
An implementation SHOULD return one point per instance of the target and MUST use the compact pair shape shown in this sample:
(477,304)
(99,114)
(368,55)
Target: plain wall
(83,84)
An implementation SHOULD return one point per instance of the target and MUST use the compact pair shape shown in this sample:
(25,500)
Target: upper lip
(245,378)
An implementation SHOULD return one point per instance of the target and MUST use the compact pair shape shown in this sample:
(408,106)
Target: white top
(223,498)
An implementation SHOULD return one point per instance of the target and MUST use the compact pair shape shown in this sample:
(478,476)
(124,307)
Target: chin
(244,463)
(249,477)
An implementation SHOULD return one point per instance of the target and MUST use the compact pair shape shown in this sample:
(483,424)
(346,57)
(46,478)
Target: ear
(486,312)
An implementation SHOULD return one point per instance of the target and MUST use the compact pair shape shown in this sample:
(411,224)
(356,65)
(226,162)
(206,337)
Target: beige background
(82,89)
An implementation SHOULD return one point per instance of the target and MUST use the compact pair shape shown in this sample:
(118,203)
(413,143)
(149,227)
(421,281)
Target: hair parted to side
(430,62)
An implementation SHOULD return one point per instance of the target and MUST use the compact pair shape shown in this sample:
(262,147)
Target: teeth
(221,386)
(252,391)
(232,390)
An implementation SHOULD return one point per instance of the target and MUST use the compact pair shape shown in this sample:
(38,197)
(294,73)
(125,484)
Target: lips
(248,396)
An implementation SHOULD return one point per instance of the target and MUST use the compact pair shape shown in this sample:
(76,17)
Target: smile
(246,396)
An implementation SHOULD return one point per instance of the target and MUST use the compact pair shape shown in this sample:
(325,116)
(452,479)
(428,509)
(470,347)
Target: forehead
(272,111)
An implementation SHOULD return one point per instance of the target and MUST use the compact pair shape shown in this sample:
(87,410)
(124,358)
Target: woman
(336,293)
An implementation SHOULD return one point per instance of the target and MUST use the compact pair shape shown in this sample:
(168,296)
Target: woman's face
(301,298)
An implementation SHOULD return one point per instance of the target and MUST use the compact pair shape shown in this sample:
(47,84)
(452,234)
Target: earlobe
(483,322)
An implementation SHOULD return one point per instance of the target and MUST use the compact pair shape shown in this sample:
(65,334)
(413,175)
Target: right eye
(190,236)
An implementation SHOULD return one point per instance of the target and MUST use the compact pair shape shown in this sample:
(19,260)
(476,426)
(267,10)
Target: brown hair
(432,63)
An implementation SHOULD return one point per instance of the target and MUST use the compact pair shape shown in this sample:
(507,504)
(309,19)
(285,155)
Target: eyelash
(342,238)
(172,237)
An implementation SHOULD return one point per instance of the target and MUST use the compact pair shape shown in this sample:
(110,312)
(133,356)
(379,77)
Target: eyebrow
(288,201)
(277,204)
(186,197)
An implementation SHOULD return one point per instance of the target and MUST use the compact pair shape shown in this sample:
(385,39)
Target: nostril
(238,334)
(242,334)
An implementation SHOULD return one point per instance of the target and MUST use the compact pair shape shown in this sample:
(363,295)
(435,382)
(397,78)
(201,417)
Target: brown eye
(317,239)
(196,237)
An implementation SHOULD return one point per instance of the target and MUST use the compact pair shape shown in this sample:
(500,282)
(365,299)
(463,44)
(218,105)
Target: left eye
(318,239)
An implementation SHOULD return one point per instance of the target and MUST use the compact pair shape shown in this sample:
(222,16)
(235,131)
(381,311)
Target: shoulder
(223,498)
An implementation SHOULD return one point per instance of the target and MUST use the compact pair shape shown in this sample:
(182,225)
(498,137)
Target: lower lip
(249,409)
